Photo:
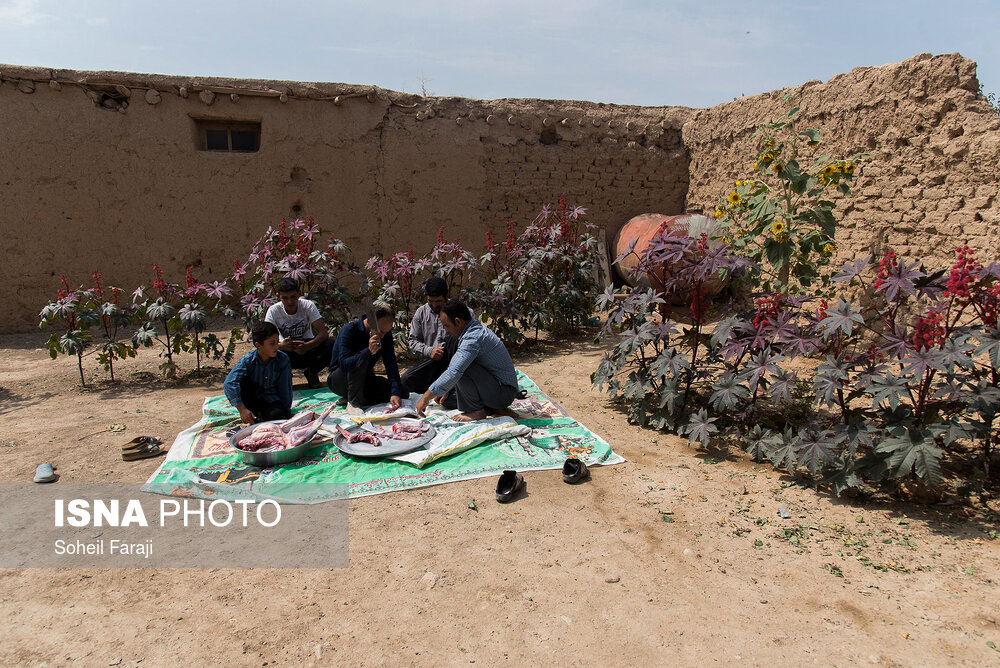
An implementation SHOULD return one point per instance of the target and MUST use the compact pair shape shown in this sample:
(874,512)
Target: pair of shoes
(313,378)
(145,452)
(510,483)
(140,442)
(45,473)
(574,471)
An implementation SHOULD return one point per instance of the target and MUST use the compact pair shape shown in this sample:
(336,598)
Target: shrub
(74,311)
(780,218)
(291,251)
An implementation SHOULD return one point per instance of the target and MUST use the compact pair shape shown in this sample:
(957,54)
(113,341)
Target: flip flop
(150,450)
(139,442)
(45,473)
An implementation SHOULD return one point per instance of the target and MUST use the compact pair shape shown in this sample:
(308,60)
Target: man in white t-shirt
(303,335)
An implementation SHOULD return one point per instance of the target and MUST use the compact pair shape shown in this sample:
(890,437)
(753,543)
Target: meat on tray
(360,436)
(270,437)
(402,431)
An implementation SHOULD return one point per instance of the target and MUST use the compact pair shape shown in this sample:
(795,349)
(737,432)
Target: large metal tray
(390,446)
(268,459)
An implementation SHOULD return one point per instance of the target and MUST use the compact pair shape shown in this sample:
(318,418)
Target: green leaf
(816,450)
(74,342)
(811,134)
(778,253)
(793,112)
(700,428)
(913,450)
(990,345)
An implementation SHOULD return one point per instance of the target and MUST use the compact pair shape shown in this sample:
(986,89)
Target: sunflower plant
(781,217)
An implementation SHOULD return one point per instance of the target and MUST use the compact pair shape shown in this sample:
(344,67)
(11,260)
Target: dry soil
(676,557)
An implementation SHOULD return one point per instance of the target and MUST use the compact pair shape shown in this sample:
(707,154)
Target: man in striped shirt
(481,371)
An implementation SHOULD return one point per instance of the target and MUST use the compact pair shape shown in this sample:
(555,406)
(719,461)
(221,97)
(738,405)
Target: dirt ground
(675,557)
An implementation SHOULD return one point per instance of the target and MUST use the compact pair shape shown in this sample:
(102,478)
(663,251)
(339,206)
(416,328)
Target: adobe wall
(96,180)
(931,181)
(100,170)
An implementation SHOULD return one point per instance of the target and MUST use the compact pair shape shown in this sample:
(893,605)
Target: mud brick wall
(102,171)
(931,179)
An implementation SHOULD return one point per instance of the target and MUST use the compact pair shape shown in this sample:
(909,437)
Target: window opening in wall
(235,137)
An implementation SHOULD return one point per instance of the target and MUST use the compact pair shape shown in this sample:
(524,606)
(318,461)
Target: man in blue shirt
(352,364)
(260,385)
(481,371)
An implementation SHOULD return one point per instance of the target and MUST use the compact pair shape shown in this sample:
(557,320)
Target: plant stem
(79,363)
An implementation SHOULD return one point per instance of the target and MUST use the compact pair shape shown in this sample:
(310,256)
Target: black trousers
(422,375)
(361,386)
(262,410)
(316,359)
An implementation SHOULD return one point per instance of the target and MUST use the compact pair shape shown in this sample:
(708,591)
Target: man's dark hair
(384,312)
(456,310)
(288,285)
(435,286)
(262,331)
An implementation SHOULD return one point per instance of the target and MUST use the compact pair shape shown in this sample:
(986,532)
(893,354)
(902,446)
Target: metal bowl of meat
(277,442)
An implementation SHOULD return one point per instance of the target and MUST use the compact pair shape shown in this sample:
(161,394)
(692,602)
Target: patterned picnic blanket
(202,464)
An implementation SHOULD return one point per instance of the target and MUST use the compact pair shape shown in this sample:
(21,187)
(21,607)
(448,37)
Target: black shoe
(574,470)
(510,483)
(313,378)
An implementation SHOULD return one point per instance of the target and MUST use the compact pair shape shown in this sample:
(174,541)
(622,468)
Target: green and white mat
(202,464)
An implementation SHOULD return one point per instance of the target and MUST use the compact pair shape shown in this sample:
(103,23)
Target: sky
(671,52)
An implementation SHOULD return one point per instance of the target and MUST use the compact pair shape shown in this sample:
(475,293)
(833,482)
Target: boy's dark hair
(384,312)
(288,285)
(435,286)
(456,310)
(262,331)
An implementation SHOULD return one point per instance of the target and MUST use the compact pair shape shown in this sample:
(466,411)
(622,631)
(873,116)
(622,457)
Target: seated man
(481,370)
(352,364)
(302,333)
(429,339)
(260,385)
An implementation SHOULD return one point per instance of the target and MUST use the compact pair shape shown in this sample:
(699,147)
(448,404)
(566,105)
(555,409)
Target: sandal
(139,442)
(150,450)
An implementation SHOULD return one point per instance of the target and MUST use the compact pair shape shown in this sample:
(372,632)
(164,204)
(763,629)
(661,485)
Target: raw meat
(269,437)
(298,420)
(359,436)
(378,431)
(402,431)
(302,433)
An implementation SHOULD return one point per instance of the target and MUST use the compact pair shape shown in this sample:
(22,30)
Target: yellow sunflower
(755,165)
(828,249)
(849,168)
(739,233)
(719,212)
(778,168)
(777,227)
(829,171)
(734,198)
(725,239)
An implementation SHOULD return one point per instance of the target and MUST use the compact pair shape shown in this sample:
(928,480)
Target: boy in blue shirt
(260,385)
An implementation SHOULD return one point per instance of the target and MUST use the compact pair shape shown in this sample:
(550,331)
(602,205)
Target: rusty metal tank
(643,228)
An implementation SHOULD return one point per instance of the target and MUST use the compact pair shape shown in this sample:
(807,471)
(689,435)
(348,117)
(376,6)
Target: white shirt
(297,327)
